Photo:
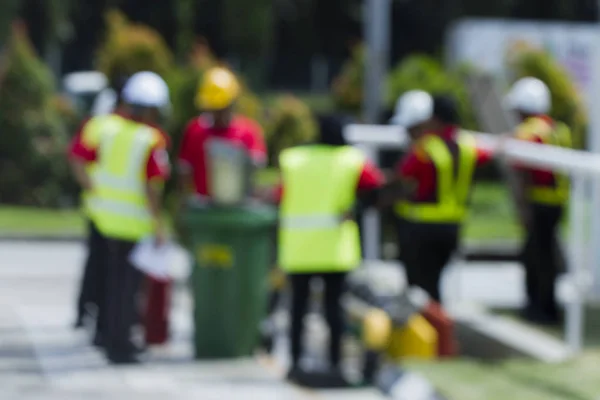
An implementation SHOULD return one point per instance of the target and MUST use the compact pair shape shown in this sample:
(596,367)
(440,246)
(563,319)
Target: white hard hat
(413,108)
(529,95)
(146,89)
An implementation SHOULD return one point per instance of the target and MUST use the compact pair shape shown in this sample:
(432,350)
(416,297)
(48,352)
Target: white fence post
(576,264)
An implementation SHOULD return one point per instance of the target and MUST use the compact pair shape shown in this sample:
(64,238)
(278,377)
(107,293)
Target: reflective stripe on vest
(119,205)
(557,135)
(90,136)
(319,189)
(452,192)
(312,222)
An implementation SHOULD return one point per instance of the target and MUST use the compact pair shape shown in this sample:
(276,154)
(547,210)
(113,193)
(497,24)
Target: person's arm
(185,170)
(256,145)
(78,167)
(79,157)
(157,171)
(401,185)
(519,181)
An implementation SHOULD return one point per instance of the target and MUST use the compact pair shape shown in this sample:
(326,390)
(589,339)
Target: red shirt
(192,155)
(417,166)
(157,166)
(370,178)
(539,177)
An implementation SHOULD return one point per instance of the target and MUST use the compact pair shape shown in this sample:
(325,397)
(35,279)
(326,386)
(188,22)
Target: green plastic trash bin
(232,249)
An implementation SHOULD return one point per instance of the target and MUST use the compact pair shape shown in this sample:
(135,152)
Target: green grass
(22,221)
(467,379)
(491,217)
(591,333)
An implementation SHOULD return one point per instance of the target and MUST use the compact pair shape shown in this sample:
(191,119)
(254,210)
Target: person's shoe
(294,374)
(79,322)
(123,358)
(99,341)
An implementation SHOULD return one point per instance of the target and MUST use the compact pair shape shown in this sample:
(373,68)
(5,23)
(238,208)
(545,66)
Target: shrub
(567,105)
(421,72)
(289,123)
(33,170)
(347,87)
(130,48)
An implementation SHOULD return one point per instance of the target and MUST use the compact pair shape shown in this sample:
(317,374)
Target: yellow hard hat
(218,89)
(376,329)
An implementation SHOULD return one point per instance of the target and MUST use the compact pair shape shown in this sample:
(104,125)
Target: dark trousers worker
(540,196)
(317,237)
(131,167)
(440,165)
(93,281)
(92,286)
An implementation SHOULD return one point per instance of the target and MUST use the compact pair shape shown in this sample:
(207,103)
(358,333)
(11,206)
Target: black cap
(445,109)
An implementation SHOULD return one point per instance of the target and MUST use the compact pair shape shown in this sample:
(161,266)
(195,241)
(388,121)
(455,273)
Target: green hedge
(414,72)
(33,169)
(130,48)
(290,122)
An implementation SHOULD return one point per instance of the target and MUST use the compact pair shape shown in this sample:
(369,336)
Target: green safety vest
(319,189)
(118,204)
(453,189)
(557,134)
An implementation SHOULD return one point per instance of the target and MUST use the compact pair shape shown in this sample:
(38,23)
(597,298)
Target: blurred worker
(126,184)
(91,284)
(218,92)
(540,196)
(318,237)
(438,171)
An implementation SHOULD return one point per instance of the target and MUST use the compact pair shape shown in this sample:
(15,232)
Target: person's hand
(160,235)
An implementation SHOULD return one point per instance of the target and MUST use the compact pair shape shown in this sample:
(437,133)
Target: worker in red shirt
(438,174)
(92,283)
(217,94)
(318,237)
(540,197)
(96,245)
(124,213)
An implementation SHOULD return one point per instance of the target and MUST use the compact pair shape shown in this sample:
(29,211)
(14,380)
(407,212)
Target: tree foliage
(290,122)
(130,48)
(33,170)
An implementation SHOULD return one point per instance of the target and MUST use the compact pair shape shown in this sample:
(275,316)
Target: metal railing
(583,168)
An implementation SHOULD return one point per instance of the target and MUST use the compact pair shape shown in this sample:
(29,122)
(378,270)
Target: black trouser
(543,259)
(93,278)
(333,287)
(425,249)
(123,281)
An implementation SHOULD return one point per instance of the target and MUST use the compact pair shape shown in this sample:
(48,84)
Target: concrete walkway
(42,358)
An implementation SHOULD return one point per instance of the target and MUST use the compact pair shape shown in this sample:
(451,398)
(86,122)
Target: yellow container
(417,339)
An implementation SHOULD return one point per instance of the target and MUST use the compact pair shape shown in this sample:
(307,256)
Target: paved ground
(42,358)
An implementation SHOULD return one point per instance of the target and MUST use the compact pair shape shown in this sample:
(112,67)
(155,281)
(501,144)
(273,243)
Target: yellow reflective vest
(118,204)
(319,190)
(554,134)
(453,178)
(89,134)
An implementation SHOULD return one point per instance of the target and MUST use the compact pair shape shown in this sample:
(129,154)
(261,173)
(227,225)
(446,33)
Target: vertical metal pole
(576,265)
(376,16)
(594,146)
